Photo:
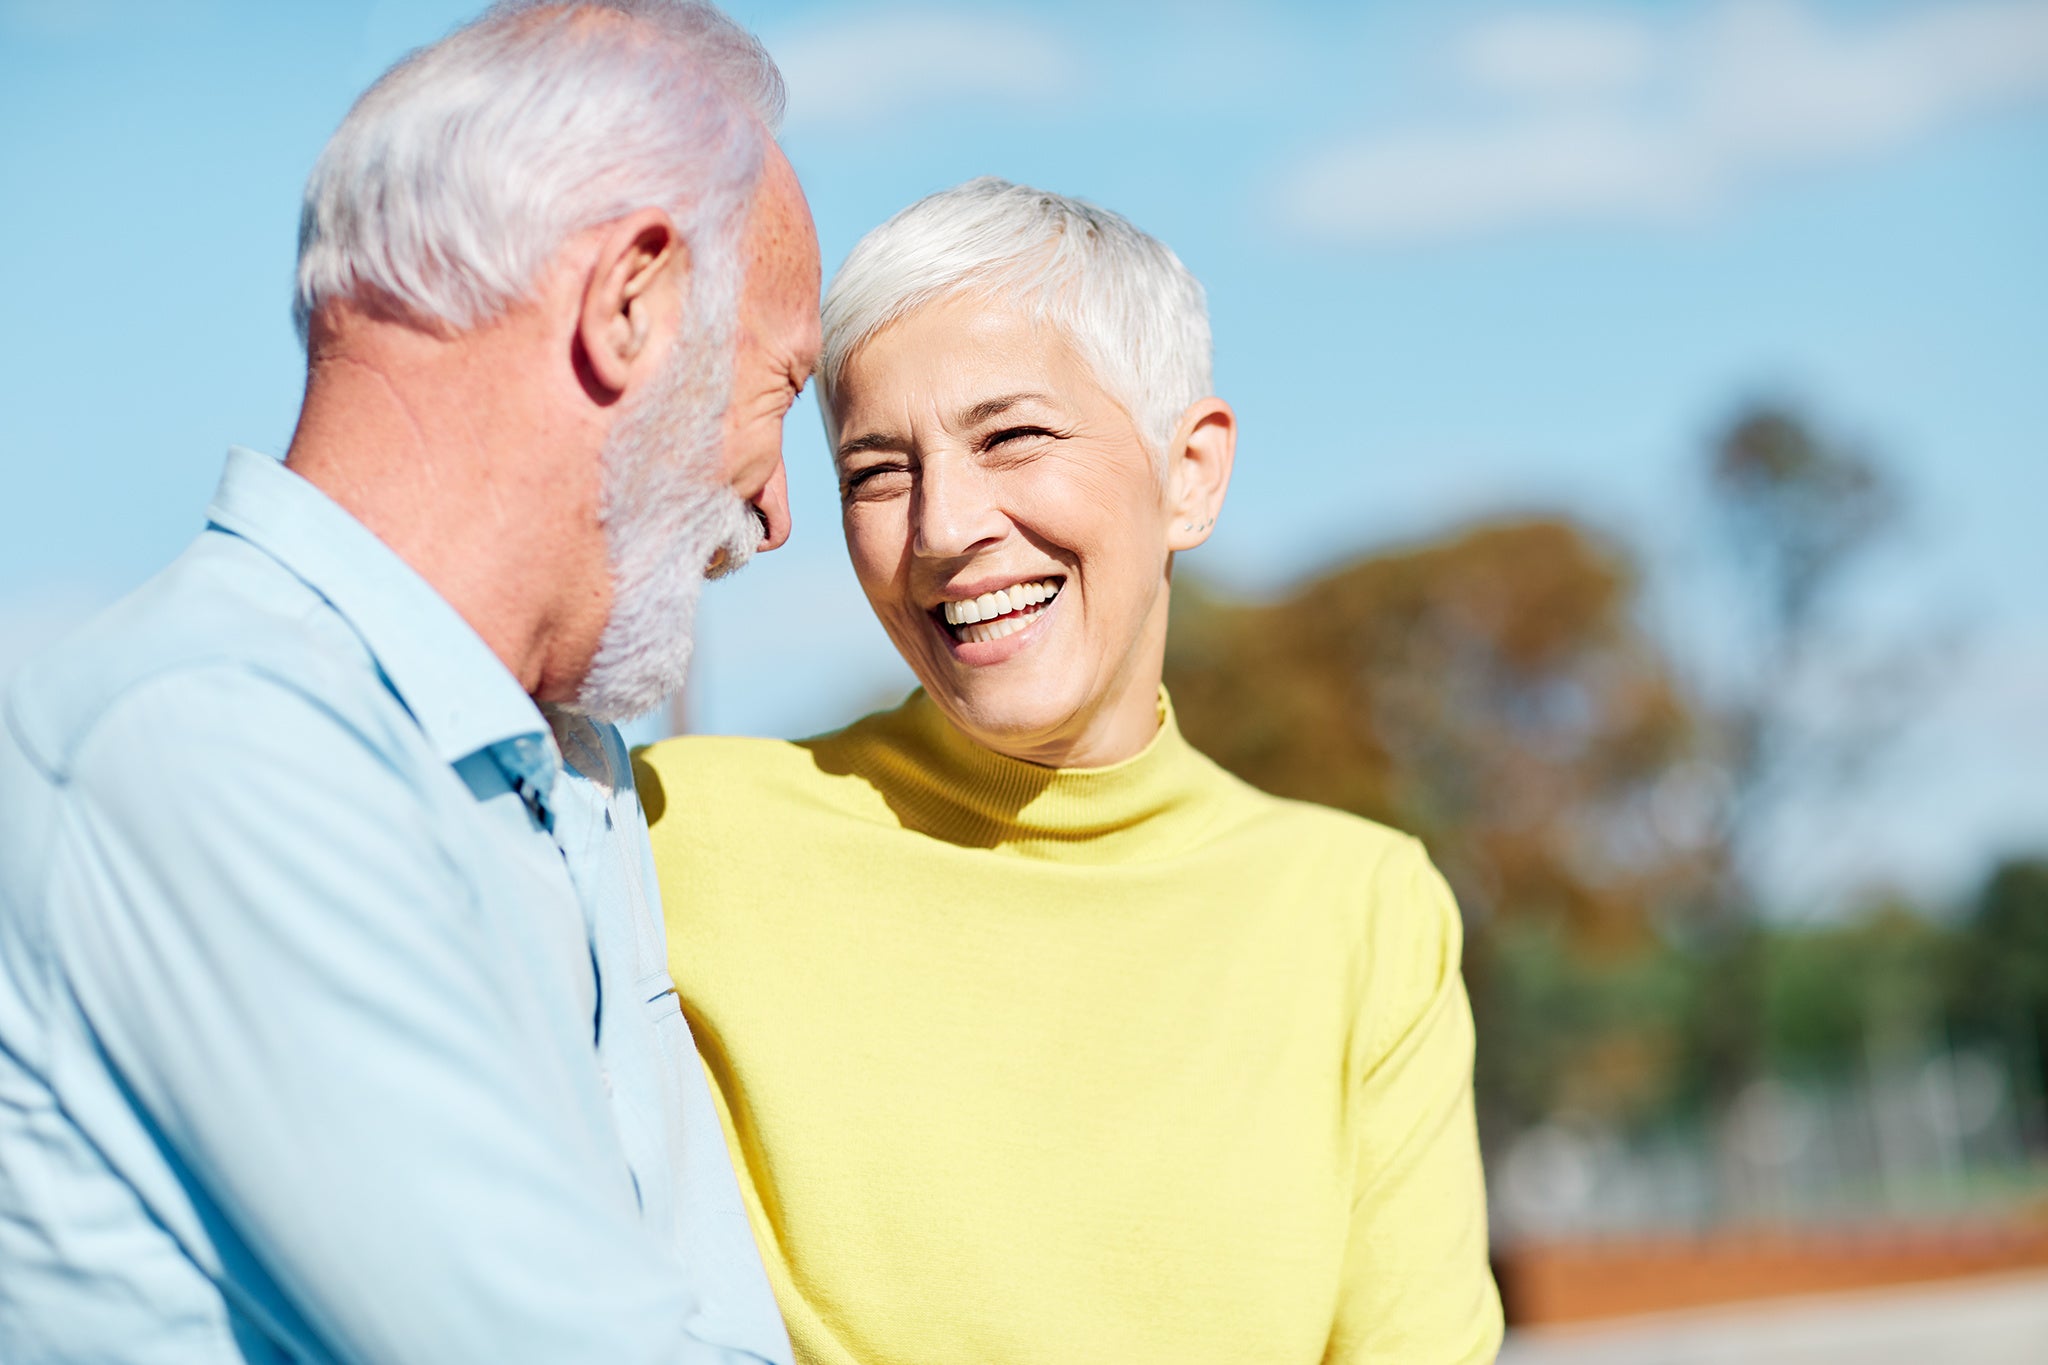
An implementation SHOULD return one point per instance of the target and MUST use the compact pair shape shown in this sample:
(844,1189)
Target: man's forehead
(780,234)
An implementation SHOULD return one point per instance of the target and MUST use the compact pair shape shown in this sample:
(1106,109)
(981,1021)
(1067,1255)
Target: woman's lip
(997,651)
(967,592)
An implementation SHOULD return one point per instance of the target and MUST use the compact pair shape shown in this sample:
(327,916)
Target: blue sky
(1463,258)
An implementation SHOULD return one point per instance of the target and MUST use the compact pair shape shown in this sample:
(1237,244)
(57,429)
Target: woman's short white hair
(1123,299)
(457,176)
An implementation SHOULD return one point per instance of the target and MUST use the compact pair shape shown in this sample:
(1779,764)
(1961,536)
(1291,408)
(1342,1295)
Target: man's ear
(1198,471)
(632,299)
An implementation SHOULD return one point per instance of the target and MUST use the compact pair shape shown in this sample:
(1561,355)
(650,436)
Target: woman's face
(1010,530)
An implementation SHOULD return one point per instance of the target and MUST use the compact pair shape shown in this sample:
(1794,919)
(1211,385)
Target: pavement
(1987,1320)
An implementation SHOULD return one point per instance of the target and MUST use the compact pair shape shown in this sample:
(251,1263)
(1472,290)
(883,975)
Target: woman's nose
(953,511)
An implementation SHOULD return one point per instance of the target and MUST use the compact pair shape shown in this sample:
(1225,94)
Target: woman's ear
(1198,471)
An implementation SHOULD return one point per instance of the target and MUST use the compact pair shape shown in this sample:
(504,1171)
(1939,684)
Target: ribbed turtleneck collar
(1156,803)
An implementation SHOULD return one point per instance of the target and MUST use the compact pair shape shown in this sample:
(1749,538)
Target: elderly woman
(1038,1037)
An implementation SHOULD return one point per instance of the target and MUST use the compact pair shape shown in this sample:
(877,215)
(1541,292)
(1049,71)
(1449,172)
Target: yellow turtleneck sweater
(1129,1064)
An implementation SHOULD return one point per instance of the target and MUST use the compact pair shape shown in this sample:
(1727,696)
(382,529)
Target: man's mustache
(728,559)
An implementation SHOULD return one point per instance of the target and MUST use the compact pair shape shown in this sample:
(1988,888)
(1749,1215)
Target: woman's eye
(1013,434)
(875,480)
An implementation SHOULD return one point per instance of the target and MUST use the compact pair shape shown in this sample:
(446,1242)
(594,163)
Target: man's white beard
(667,513)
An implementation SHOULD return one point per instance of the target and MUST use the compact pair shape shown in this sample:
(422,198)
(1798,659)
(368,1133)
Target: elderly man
(334,1024)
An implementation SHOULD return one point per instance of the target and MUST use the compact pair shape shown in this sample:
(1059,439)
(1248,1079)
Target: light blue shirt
(335,1023)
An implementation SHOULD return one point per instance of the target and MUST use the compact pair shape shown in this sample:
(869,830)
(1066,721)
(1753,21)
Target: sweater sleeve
(1415,1285)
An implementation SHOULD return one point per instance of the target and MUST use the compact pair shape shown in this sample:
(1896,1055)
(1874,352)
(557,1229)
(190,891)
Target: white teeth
(993,630)
(992,615)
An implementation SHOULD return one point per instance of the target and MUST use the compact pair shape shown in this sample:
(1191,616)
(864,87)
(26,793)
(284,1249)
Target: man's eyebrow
(993,407)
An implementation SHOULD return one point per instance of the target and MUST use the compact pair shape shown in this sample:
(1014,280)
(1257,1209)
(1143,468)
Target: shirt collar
(460,693)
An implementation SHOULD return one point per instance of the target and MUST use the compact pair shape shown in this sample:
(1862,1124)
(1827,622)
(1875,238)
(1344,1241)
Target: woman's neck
(1107,730)
(937,780)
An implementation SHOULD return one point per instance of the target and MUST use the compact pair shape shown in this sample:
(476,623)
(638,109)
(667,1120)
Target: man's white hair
(457,176)
(1130,308)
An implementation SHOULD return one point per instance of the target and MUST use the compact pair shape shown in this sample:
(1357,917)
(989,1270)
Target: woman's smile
(974,624)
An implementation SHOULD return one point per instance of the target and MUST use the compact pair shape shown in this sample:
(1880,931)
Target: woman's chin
(1010,711)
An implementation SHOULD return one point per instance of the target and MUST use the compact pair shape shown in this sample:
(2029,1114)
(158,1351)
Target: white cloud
(1558,54)
(1618,122)
(870,69)
(1413,186)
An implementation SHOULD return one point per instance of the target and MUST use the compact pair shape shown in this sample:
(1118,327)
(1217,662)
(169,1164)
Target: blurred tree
(1885,977)
(1801,708)
(1798,510)
(1583,1036)
(1491,694)
(2003,977)
(1494,695)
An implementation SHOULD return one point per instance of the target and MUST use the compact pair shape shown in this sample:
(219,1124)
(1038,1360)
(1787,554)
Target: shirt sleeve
(1416,1287)
(392,1155)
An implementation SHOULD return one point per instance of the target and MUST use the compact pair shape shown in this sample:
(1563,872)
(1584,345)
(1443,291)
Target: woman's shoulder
(1359,842)
(740,780)
(1380,879)
(1385,899)
(688,762)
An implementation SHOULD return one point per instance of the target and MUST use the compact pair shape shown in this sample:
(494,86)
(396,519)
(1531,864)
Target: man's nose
(953,512)
(772,507)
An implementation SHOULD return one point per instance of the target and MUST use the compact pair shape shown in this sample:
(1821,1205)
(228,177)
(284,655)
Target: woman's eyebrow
(967,417)
(873,440)
(992,407)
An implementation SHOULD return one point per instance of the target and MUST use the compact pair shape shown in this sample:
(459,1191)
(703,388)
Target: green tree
(1885,976)
(2002,990)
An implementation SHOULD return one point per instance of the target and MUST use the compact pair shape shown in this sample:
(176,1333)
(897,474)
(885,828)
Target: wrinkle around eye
(874,481)
(1016,449)
(1009,435)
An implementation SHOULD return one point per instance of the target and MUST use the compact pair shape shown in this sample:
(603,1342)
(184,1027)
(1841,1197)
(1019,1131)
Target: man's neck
(436,446)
